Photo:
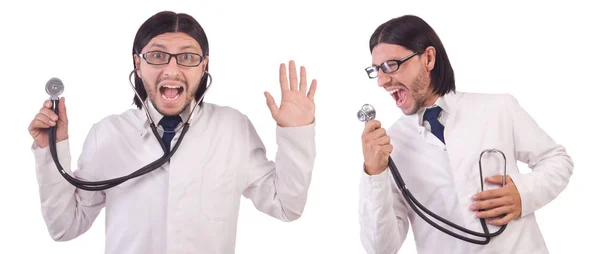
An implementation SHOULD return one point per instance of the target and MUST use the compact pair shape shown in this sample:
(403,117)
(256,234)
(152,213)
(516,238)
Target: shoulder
(127,120)
(130,115)
(498,99)
(225,113)
(406,124)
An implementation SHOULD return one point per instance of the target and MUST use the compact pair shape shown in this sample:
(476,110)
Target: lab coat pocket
(218,194)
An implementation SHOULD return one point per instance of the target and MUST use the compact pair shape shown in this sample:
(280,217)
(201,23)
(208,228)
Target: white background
(545,54)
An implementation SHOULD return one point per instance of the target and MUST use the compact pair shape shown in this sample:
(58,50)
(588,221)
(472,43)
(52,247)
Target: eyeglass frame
(143,55)
(376,68)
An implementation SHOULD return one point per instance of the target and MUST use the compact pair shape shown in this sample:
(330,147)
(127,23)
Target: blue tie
(169,123)
(431,115)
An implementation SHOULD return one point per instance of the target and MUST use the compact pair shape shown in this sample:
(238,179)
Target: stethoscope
(367,113)
(54,87)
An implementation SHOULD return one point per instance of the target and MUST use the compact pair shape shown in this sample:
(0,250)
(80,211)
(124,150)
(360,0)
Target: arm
(551,165)
(67,211)
(280,188)
(383,215)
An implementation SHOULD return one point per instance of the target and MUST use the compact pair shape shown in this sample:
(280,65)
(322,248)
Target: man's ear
(205,63)
(136,60)
(429,55)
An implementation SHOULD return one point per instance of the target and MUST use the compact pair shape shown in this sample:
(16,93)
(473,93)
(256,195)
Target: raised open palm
(297,107)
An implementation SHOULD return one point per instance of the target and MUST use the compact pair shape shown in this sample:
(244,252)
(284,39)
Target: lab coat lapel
(471,130)
(146,141)
(464,134)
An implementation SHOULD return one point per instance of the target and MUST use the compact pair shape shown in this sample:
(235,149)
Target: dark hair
(415,34)
(168,22)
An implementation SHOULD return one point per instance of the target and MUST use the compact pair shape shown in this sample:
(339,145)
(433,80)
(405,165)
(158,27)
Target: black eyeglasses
(388,66)
(183,59)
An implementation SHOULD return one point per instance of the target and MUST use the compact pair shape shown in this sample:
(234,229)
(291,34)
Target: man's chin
(171,110)
(166,109)
(410,111)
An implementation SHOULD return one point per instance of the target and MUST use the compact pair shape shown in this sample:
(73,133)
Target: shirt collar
(446,102)
(157,116)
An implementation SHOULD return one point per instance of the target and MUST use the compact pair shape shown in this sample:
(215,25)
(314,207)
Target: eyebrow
(187,47)
(156,45)
(390,59)
(373,64)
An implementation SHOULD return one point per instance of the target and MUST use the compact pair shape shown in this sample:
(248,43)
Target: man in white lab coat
(191,203)
(436,147)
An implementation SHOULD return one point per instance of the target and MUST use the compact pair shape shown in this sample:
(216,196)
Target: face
(409,86)
(171,87)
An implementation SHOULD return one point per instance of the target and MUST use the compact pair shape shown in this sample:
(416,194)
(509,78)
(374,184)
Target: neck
(431,100)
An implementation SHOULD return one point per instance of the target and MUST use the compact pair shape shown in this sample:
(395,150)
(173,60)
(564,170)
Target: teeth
(174,98)
(393,91)
(175,87)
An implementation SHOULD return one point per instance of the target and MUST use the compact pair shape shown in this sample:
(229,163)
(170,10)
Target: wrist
(369,170)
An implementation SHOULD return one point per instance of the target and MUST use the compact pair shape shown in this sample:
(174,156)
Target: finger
(62,110)
(271,104)
(497,179)
(49,113)
(283,81)
(384,140)
(488,194)
(302,80)
(293,76)
(490,204)
(504,220)
(36,124)
(498,211)
(47,104)
(370,126)
(312,90)
(387,149)
(376,134)
(44,119)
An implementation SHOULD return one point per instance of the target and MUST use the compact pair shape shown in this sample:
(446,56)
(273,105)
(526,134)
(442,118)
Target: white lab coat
(189,205)
(445,177)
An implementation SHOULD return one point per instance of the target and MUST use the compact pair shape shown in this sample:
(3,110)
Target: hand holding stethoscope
(46,118)
(377,149)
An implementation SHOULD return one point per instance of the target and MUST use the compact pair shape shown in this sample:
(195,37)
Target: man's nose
(383,78)
(172,68)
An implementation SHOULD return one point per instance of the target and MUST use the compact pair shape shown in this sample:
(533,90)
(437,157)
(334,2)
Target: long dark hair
(415,34)
(168,22)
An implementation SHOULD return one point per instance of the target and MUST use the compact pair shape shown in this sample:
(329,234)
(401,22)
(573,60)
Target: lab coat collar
(447,102)
(157,116)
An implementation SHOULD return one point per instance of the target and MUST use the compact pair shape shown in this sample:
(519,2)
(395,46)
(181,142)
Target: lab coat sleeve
(67,211)
(551,165)
(280,188)
(383,214)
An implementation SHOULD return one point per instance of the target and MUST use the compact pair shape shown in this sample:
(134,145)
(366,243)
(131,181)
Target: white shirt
(190,204)
(445,177)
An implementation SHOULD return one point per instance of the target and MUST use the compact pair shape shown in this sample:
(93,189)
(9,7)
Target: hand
(376,148)
(504,201)
(46,118)
(297,108)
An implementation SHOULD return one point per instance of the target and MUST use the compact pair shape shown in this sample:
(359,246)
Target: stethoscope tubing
(416,205)
(106,184)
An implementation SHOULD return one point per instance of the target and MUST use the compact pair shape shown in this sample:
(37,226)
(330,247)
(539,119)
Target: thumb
(271,104)
(62,110)
(497,179)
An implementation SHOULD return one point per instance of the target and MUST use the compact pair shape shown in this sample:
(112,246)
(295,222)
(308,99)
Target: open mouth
(170,92)
(399,95)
